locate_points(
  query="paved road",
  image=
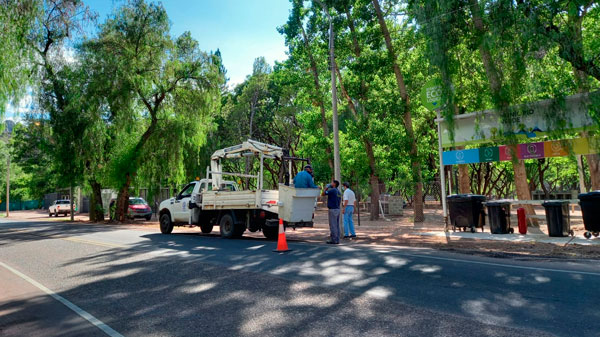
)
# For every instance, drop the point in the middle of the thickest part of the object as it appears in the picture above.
(61, 279)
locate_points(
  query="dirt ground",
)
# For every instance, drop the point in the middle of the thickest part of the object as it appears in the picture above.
(397, 231)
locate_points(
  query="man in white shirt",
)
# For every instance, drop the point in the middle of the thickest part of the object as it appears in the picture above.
(348, 211)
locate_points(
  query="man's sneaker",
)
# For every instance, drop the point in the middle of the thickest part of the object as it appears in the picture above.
(333, 243)
(353, 236)
(346, 236)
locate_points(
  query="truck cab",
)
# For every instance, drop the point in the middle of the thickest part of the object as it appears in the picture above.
(178, 208)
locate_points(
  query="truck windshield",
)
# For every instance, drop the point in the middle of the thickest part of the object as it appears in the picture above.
(187, 191)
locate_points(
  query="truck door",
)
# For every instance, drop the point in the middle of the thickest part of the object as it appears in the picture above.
(181, 205)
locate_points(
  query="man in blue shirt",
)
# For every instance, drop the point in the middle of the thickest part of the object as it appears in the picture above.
(333, 203)
(304, 178)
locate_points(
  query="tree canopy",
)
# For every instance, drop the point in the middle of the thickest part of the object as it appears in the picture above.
(132, 106)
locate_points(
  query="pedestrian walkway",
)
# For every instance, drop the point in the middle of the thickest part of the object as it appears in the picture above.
(402, 231)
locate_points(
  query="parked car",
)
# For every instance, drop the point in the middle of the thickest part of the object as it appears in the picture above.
(137, 208)
(59, 207)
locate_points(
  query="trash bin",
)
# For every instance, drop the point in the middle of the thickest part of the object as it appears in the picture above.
(557, 217)
(466, 211)
(590, 209)
(499, 216)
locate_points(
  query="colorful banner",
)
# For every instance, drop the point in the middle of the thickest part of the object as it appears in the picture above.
(554, 148)
(508, 152)
(525, 121)
(581, 146)
(557, 148)
(489, 154)
(531, 150)
(461, 157)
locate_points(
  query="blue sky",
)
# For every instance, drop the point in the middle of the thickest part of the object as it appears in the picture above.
(241, 29)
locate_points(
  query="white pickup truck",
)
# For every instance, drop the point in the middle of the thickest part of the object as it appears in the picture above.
(60, 207)
(213, 201)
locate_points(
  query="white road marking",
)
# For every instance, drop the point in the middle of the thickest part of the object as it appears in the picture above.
(98, 323)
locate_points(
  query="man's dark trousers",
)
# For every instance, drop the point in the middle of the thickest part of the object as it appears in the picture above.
(334, 224)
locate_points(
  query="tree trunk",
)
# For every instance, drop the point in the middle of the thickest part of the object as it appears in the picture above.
(522, 187)
(123, 200)
(541, 178)
(123, 196)
(373, 180)
(374, 211)
(96, 209)
(71, 202)
(464, 183)
(594, 166)
(416, 164)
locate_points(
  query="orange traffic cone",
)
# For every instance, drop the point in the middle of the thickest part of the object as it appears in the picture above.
(281, 241)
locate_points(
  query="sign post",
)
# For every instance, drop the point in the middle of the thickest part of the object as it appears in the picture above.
(442, 175)
(431, 96)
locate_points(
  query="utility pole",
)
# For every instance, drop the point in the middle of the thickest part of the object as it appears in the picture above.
(336, 130)
(8, 186)
(8, 132)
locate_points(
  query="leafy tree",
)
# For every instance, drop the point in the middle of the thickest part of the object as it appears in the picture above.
(18, 18)
(59, 89)
(32, 145)
(406, 112)
(162, 87)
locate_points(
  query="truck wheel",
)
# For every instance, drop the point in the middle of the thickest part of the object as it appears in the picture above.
(206, 228)
(166, 226)
(270, 232)
(227, 226)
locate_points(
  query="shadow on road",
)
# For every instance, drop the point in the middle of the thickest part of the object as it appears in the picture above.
(201, 284)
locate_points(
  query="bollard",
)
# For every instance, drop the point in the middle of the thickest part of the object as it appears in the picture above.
(522, 221)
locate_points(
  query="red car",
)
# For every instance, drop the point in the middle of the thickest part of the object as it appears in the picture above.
(138, 208)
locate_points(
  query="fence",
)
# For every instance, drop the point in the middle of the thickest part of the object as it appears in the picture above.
(21, 205)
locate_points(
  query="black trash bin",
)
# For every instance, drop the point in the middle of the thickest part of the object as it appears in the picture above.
(499, 217)
(590, 209)
(558, 218)
(466, 211)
